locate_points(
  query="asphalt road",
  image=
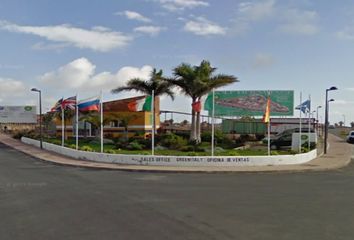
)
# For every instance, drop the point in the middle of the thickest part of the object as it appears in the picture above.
(39, 200)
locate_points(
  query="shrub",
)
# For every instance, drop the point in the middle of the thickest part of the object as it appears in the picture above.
(274, 152)
(73, 146)
(172, 141)
(218, 136)
(120, 143)
(190, 148)
(19, 134)
(134, 146)
(86, 148)
(110, 151)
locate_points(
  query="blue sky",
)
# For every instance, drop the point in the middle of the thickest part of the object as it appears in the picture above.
(68, 47)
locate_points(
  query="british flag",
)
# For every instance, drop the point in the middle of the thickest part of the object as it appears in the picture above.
(57, 106)
(69, 103)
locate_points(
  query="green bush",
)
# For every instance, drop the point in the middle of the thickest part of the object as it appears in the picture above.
(274, 152)
(19, 134)
(190, 148)
(120, 143)
(172, 141)
(134, 146)
(110, 151)
(73, 146)
(218, 136)
(86, 148)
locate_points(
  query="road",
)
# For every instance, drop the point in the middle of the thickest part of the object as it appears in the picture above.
(39, 200)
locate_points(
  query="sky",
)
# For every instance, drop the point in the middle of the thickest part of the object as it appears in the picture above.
(81, 47)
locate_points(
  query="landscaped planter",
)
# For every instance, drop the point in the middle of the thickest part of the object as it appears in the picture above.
(198, 161)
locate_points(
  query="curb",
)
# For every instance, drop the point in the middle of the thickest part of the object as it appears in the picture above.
(162, 169)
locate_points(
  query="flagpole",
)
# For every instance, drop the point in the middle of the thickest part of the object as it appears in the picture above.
(101, 110)
(62, 125)
(308, 137)
(153, 122)
(213, 125)
(77, 124)
(300, 123)
(269, 137)
(268, 100)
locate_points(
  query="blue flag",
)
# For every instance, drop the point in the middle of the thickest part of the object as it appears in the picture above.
(305, 106)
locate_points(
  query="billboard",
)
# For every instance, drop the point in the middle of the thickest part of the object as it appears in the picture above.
(18, 114)
(250, 103)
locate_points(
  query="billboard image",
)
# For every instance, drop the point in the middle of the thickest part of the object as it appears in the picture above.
(251, 103)
(18, 114)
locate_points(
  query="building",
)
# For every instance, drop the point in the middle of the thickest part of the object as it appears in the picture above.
(120, 117)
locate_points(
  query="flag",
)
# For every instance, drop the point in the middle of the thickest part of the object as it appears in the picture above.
(69, 103)
(89, 104)
(197, 106)
(57, 106)
(305, 106)
(266, 115)
(143, 104)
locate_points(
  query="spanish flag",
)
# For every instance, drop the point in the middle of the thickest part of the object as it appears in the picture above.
(266, 115)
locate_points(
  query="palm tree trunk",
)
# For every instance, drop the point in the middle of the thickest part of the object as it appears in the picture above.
(193, 136)
(198, 132)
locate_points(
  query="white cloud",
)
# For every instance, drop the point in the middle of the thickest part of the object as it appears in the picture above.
(346, 33)
(151, 30)
(134, 16)
(11, 88)
(262, 60)
(203, 27)
(250, 12)
(98, 38)
(178, 5)
(300, 22)
(79, 75)
(256, 11)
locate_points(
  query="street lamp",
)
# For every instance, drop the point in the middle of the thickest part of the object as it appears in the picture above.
(326, 117)
(40, 115)
(317, 113)
(318, 107)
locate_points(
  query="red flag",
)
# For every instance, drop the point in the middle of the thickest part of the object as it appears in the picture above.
(197, 106)
(266, 115)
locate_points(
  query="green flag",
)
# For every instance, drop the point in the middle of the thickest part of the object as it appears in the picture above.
(147, 104)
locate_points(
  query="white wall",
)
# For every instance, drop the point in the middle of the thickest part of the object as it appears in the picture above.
(177, 160)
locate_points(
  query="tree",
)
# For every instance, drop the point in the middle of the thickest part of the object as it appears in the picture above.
(124, 121)
(196, 82)
(68, 114)
(156, 83)
(340, 123)
(95, 119)
(352, 124)
(47, 120)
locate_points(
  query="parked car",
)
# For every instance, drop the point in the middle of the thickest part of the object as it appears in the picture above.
(281, 141)
(287, 132)
(350, 137)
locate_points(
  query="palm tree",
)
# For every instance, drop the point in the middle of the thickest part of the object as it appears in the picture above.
(196, 82)
(124, 121)
(68, 114)
(95, 120)
(157, 84)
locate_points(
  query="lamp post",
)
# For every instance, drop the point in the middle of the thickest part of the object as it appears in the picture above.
(318, 107)
(40, 115)
(326, 118)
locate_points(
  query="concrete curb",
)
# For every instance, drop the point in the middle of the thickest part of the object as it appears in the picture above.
(321, 163)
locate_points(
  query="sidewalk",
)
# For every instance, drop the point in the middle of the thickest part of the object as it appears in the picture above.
(338, 155)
